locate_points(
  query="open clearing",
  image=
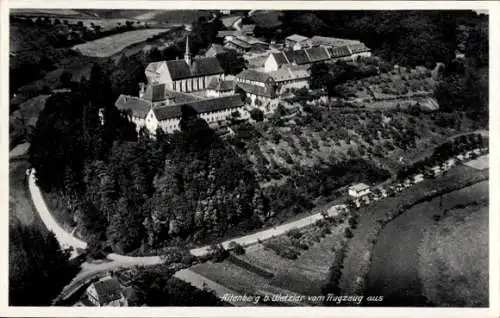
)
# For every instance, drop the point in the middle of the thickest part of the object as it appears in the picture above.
(453, 263)
(114, 44)
(260, 270)
(479, 163)
(406, 274)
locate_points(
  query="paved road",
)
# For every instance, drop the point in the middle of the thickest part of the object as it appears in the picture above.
(92, 270)
(275, 231)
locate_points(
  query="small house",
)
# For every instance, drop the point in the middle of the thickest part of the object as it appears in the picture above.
(418, 178)
(435, 171)
(106, 292)
(359, 190)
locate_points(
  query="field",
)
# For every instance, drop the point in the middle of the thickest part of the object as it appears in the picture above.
(46, 12)
(114, 44)
(453, 263)
(480, 163)
(359, 256)
(174, 16)
(261, 270)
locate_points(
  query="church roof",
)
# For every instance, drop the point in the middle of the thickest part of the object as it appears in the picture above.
(137, 106)
(202, 66)
(200, 106)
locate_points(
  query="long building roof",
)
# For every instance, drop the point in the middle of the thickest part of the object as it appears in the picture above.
(201, 106)
(267, 91)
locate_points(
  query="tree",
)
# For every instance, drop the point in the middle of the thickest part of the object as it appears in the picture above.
(257, 114)
(36, 262)
(232, 62)
(236, 248)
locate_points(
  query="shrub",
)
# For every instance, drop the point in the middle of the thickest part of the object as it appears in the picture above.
(325, 231)
(217, 253)
(257, 114)
(348, 233)
(294, 233)
(289, 254)
(236, 248)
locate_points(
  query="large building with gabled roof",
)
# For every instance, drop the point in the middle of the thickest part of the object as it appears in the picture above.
(185, 75)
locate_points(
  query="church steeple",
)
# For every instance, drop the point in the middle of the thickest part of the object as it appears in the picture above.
(187, 54)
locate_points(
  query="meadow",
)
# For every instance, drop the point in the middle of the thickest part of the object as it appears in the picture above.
(453, 253)
(114, 44)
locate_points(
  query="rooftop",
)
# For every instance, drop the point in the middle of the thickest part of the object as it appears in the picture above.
(359, 187)
(296, 38)
(139, 107)
(108, 290)
(329, 41)
(267, 91)
(201, 66)
(200, 106)
(253, 75)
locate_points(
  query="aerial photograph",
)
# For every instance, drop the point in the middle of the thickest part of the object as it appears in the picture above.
(233, 158)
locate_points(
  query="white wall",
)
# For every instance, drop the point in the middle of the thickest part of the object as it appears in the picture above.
(270, 65)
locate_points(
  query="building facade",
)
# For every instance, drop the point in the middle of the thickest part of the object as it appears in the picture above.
(185, 75)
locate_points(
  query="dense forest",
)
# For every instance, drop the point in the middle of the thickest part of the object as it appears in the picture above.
(134, 194)
(38, 268)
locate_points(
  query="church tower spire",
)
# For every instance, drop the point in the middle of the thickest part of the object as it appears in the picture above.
(187, 54)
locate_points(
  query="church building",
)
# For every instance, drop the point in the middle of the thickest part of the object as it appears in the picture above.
(185, 75)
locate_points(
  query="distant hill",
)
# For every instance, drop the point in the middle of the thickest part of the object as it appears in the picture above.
(173, 16)
(68, 13)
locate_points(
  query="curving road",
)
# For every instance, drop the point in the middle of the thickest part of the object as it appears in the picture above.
(65, 239)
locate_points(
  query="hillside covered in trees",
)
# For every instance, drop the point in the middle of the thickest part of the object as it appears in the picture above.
(136, 194)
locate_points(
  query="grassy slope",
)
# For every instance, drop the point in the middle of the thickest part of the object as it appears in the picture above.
(454, 253)
(360, 247)
(110, 45)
